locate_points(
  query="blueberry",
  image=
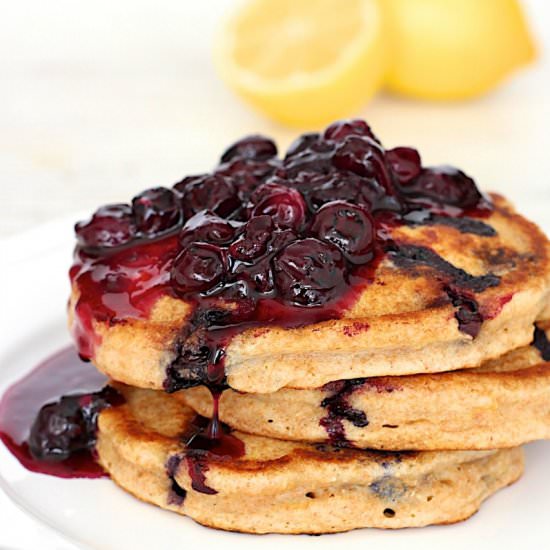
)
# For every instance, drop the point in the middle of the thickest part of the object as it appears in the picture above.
(253, 242)
(217, 193)
(309, 272)
(361, 155)
(208, 228)
(285, 205)
(302, 143)
(156, 210)
(340, 130)
(254, 147)
(197, 268)
(348, 226)
(69, 425)
(308, 155)
(111, 225)
(404, 163)
(445, 185)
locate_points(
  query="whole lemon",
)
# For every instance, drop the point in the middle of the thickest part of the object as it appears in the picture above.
(454, 49)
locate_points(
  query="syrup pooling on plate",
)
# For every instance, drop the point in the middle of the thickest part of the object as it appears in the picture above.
(48, 418)
(48, 421)
(262, 240)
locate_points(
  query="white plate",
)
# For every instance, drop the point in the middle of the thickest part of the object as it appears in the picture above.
(96, 514)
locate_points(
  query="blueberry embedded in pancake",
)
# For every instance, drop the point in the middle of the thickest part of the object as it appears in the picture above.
(252, 276)
(542, 343)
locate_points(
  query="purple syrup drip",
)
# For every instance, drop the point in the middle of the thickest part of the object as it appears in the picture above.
(206, 440)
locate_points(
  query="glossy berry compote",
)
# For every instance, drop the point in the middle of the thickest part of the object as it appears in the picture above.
(48, 418)
(266, 240)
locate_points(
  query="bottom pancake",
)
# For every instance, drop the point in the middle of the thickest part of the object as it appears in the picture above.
(289, 487)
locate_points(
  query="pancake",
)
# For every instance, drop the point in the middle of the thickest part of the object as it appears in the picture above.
(289, 487)
(406, 321)
(340, 260)
(503, 403)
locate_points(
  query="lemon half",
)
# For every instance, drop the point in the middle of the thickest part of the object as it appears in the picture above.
(307, 62)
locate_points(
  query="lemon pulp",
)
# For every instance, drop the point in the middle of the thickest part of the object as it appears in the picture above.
(304, 63)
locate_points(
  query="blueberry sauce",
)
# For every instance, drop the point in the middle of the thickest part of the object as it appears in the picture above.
(542, 343)
(200, 348)
(48, 418)
(339, 409)
(119, 286)
(204, 441)
(263, 240)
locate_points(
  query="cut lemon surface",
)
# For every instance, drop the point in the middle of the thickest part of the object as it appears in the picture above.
(454, 49)
(307, 62)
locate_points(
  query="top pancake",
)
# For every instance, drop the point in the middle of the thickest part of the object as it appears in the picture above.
(406, 321)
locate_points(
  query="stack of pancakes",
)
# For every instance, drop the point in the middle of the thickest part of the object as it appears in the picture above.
(408, 409)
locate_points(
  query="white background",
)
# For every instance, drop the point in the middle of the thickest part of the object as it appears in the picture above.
(101, 99)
